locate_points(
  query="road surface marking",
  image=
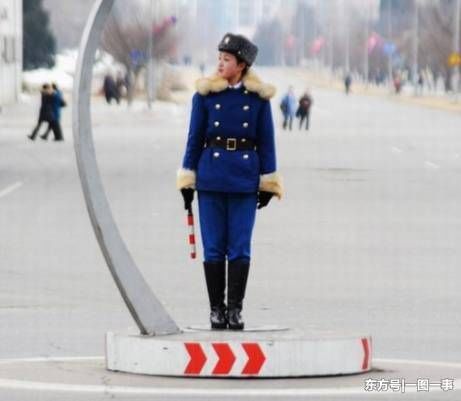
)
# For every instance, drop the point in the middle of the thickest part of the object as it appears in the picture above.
(223, 392)
(11, 189)
(432, 165)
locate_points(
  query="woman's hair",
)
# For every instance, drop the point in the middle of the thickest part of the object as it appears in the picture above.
(247, 67)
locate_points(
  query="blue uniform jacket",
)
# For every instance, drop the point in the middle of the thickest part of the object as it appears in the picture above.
(58, 103)
(289, 105)
(218, 110)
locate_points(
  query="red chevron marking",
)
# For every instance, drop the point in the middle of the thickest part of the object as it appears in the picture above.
(197, 358)
(256, 359)
(366, 352)
(226, 359)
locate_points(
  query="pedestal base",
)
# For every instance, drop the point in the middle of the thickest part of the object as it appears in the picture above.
(275, 353)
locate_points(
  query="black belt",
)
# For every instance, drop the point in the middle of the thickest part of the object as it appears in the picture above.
(231, 143)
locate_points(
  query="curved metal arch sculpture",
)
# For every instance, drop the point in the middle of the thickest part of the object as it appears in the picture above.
(145, 308)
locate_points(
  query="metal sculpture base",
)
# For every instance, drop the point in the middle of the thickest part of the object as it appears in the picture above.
(225, 353)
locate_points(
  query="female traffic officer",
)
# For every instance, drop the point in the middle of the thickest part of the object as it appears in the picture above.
(230, 160)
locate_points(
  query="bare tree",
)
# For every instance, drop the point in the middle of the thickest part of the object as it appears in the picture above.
(436, 36)
(126, 36)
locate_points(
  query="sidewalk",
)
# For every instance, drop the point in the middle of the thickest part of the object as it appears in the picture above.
(325, 81)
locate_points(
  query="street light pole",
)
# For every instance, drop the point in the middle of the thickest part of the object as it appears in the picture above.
(150, 67)
(347, 46)
(330, 43)
(315, 28)
(302, 42)
(389, 40)
(456, 49)
(415, 45)
(324, 47)
(367, 34)
(1, 65)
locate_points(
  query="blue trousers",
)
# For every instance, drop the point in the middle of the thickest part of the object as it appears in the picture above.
(226, 224)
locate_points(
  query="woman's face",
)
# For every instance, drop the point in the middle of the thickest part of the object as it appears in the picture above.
(228, 67)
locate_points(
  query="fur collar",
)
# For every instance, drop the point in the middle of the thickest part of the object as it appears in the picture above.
(251, 82)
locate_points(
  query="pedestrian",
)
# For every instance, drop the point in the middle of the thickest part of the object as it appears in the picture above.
(110, 89)
(230, 160)
(304, 109)
(121, 85)
(288, 107)
(46, 110)
(420, 83)
(55, 124)
(397, 83)
(347, 83)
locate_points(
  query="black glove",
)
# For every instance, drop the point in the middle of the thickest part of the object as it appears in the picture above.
(264, 198)
(188, 195)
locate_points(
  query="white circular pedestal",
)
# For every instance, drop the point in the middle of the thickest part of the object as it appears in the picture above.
(277, 353)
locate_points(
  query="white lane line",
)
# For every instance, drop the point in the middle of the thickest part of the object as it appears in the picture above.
(222, 392)
(432, 165)
(11, 188)
(395, 149)
(51, 359)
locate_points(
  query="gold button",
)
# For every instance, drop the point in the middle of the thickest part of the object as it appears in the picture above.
(216, 154)
(246, 157)
(246, 92)
(216, 123)
(218, 138)
(245, 125)
(244, 140)
(217, 106)
(246, 107)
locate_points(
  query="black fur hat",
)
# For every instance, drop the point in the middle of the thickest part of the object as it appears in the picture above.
(239, 46)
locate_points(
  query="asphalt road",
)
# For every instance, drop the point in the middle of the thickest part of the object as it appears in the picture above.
(366, 239)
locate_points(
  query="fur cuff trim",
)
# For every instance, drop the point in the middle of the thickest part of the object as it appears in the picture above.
(185, 178)
(271, 183)
(250, 81)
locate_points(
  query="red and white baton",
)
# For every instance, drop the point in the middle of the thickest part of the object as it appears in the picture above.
(190, 223)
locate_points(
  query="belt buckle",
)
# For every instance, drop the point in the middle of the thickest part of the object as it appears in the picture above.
(231, 144)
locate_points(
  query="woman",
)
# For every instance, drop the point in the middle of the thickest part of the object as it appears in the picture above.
(304, 109)
(230, 160)
(46, 110)
(288, 106)
(55, 125)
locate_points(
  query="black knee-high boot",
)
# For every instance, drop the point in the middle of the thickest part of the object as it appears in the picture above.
(237, 282)
(215, 275)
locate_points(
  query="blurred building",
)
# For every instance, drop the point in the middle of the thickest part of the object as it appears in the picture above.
(239, 16)
(211, 19)
(10, 50)
(252, 12)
